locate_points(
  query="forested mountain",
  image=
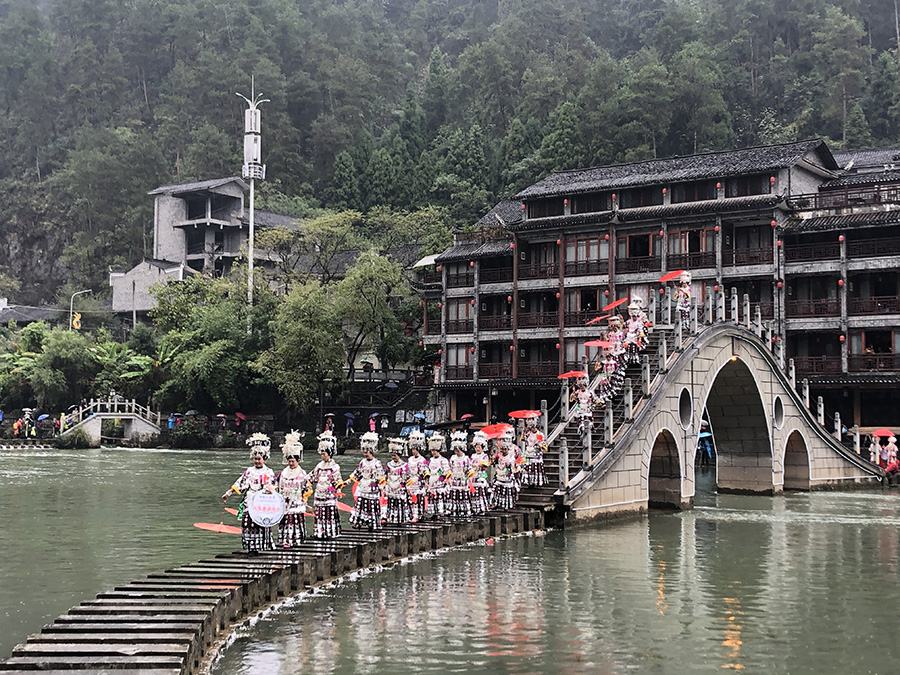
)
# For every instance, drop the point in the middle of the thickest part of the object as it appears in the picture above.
(399, 103)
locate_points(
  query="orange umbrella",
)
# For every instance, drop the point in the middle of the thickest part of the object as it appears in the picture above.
(615, 304)
(524, 414)
(218, 527)
(671, 276)
(572, 373)
(883, 433)
(496, 430)
(606, 344)
(597, 320)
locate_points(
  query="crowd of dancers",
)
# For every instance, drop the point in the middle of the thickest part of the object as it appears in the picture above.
(419, 482)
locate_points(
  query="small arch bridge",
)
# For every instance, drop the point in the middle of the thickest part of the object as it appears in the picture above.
(141, 425)
(766, 437)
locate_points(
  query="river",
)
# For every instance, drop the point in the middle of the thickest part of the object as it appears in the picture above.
(799, 583)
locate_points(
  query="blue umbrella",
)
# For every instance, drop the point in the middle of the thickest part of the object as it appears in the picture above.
(419, 416)
(350, 415)
(43, 417)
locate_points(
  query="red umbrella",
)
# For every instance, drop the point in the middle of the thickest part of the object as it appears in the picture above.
(467, 416)
(240, 416)
(883, 433)
(671, 276)
(496, 430)
(524, 414)
(606, 344)
(572, 373)
(597, 320)
(218, 527)
(615, 304)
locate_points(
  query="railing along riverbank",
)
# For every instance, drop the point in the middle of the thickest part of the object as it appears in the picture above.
(173, 622)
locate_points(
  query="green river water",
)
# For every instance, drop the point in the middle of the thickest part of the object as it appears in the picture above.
(799, 583)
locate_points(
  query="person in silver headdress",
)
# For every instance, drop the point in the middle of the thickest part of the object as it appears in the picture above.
(397, 511)
(326, 481)
(369, 474)
(293, 484)
(254, 538)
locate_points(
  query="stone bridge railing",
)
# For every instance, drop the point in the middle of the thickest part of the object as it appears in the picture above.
(113, 407)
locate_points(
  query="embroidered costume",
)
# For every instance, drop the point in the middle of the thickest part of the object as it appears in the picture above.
(293, 484)
(397, 511)
(438, 473)
(480, 467)
(505, 488)
(369, 474)
(254, 538)
(326, 481)
(682, 297)
(533, 470)
(417, 483)
(635, 331)
(459, 502)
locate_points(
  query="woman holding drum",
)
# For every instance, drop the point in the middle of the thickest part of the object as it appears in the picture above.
(254, 537)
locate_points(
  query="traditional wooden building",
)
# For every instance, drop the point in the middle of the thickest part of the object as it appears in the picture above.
(814, 246)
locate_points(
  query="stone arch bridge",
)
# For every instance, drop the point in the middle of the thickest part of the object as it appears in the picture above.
(767, 438)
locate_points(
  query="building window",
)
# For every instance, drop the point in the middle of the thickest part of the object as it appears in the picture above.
(647, 196)
(592, 203)
(747, 185)
(694, 192)
(545, 208)
(458, 310)
(638, 246)
(457, 355)
(587, 250)
(196, 208)
(692, 241)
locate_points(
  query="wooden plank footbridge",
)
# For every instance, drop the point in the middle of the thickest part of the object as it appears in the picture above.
(171, 623)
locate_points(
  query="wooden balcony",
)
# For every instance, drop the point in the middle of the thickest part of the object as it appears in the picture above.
(830, 250)
(460, 372)
(883, 304)
(461, 280)
(859, 363)
(795, 309)
(747, 256)
(691, 261)
(582, 268)
(433, 327)
(872, 248)
(538, 320)
(500, 275)
(636, 265)
(460, 326)
(495, 322)
(539, 369)
(836, 199)
(433, 277)
(539, 271)
(578, 318)
(494, 370)
(817, 365)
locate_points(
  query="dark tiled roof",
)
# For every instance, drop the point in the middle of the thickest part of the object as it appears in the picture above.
(198, 186)
(25, 314)
(162, 264)
(676, 169)
(868, 158)
(854, 220)
(599, 218)
(271, 219)
(706, 206)
(509, 383)
(490, 249)
(857, 179)
(887, 379)
(509, 211)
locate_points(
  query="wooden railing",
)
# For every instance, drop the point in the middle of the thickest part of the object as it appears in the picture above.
(460, 326)
(817, 365)
(117, 406)
(835, 199)
(644, 264)
(691, 261)
(766, 309)
(829, 250)
(539, 271)
(539, 369)
(747, 256)
(461, 280)
(460, 372)
(580, 268)
(869, 362)
(497, 275)
(432, 277)
(495, 322)
(538, 320)
(812, 308)
(494, 370)
(578, 318)
(433, 327)
(871, 248)
(881, 304)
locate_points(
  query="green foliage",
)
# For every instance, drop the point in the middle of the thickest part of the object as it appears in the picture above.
(190, 434)
(77, 439)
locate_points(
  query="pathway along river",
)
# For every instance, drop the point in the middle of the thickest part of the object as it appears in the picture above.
(801, 583)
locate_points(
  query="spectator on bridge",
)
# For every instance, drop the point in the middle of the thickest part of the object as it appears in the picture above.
(326, 480)
(254, 537)
(293, 484)
(372, 424)
(480, 462)
(369, 476)
(417, 481)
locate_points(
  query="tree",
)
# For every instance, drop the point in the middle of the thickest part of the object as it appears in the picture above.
(64, 370)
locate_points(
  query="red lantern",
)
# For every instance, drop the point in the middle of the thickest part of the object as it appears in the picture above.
(557, 345)
(421, 304)
(509, 298)
(716, 288)
(440, 351)
(661, 233)
(780, 285)
(606, 236)
(662, 290)
(472, 302)
(512, 244)
(841, 238)
(565, 202)
(471, 263)
(606, 293)
(557, 296)
(523, 206)
(440, 304)
(841, 282)
(717, 228)
(421, 343)
(718, 186)
(558, 242)
(472, 349)
(774, 224)
(772, 179)
(842, 338)
(614, 196)
(778, 243)
(512, 348)
(440, 268)
(665, 191)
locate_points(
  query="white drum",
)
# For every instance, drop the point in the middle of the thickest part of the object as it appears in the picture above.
(266, 508)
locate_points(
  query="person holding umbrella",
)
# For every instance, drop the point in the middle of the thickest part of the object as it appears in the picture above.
(372, 422)
(329, 423)
(254, 538)
(348, 429)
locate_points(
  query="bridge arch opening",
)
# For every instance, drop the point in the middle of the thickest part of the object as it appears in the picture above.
(741, 429)
(664, 475)
(796, 463)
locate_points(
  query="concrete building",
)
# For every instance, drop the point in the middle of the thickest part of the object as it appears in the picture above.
(811, 239)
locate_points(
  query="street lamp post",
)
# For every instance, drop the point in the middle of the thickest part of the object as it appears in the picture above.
(253, 167)
(72, 304)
